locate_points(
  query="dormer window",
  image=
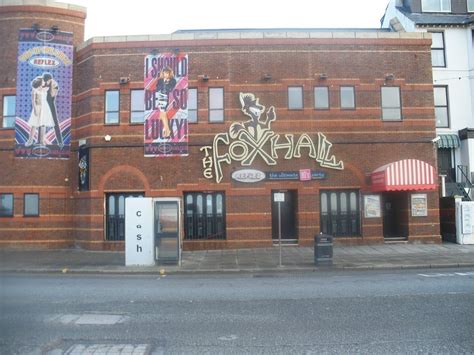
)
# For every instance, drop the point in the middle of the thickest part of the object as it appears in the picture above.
(436, 5)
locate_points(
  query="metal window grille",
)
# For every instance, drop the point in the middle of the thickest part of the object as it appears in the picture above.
(204, 216)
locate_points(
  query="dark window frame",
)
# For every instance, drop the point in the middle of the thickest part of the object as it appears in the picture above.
(347, 108)
(132, 111)
(439, 49)
(348, 225)
(197, 105)
(115, 224)
(329, 98)
(390, 107)
(6, 116)
(446, 92)
(25, 214)
(204, 225)
(106, 112)
(302, 97)
(216, 109)
(4, 214)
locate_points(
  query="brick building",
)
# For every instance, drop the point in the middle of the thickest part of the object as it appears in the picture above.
(348, 123)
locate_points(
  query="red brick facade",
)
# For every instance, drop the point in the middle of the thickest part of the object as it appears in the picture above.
(359, 136)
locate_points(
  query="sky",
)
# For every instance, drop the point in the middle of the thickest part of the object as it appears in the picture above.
(144, 17)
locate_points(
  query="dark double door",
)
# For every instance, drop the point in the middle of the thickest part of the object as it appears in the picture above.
(287, 215)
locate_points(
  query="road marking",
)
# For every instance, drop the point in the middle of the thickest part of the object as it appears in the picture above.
(448, 274)
(228, 337)
(115, 349)
(89, 319)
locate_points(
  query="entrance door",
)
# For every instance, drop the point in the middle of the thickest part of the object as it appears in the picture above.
(395, 216)
(445, 164)
(167, 232)
(288, 217)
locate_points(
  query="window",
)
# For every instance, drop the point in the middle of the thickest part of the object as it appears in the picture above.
(340, 213)
(391, 106)
(112, 107)
(115, 215)
(31, 205)
(216, 104)
(205, 216)
(192, 105)
(438, 58)
(9, 102)
(347, 97)
(436, 5)
(441, 106)
(6, 205)
(321, 97)
(470, 5)
(295, 98)
(137, 104)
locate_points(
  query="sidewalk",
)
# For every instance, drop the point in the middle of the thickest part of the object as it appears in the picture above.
(385, 256)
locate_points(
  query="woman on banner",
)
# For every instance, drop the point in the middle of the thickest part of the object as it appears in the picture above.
(164, 86)
(41, 116)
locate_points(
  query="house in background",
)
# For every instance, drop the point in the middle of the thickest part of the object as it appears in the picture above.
(451, 24)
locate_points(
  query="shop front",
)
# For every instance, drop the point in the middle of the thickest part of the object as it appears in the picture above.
(402, 185)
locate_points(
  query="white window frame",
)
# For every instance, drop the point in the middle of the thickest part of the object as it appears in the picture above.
(470, 5)
(442, 3)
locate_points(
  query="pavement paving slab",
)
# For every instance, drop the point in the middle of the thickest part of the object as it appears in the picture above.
(383, 256)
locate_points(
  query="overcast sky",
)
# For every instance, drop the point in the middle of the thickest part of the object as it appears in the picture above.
(136, 17)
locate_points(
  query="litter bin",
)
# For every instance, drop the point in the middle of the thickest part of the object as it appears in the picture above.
(323, 249)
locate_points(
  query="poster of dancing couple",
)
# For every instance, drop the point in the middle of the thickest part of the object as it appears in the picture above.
(44, 92)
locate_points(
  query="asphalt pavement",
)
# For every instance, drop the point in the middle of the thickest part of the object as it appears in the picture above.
(383, 256)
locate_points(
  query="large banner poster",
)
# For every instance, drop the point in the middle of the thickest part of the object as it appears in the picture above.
(44, 92)
(166, 105)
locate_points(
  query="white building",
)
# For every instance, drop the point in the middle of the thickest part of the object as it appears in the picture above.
(451, 23)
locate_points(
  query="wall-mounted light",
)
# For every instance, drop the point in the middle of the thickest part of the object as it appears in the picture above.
(55, 28)
(108, 138)
(267, 77)
(203, 77)
(389, 77)
(323, 76)
(35, 27)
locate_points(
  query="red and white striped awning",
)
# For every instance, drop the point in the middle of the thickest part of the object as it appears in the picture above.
(404, 175)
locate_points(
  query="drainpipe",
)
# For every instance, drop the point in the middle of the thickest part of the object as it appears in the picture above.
(443, 185)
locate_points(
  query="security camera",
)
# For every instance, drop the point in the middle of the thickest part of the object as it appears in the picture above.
(434, 140)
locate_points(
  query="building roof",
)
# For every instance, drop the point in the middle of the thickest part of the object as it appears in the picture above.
(236, 34)
(429, 19)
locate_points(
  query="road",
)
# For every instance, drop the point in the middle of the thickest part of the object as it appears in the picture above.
(422, 311)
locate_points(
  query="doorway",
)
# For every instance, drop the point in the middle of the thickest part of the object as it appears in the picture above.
(445, 164)
(167, 232)
(395, 216)
(288, 216)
